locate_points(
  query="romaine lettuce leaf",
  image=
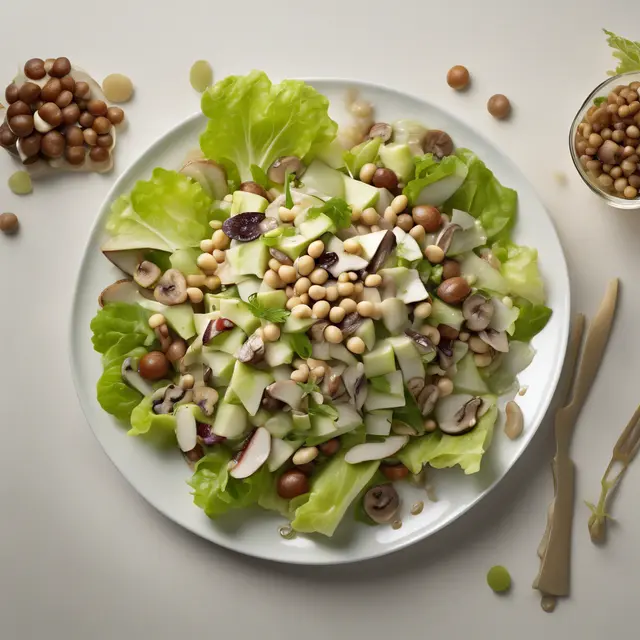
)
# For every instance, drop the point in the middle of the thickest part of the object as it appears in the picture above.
(441, 450)
(166, 213)
(216, 492)
(533, 318)
(253, 122)
(483, 196)
(627, 51)
(332, 491)
(520, 270)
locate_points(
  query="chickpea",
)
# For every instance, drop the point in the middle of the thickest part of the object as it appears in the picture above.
(321, 309)
(195, 295)
(628, 151)
(301, 311)
(482, 359)
(213, 283)
(458, 77)
(302, 286)
(305, 265)
(434, 254)
(333, 334)
(623, 111)
(274, 264)
(272, 279)
(617, 136)
(373, 280)
(352, 245)
(606, 134)
(317, 292)
(390, 216)
(422, 310)
(337, 314)
(287, 274)
(293, 302)
(367, 171)
(615, 173)
(358, 288)
(220, 239)
(316, 249)
(206, 246)
(219, 255)
(399, 203)
(405, 222)
(319, 276)
(271, 332)
(595, 166)
(478, 345)
(365, 308)
(633, 132)
(289, 291)
(499, 106)
(353, 276)
(595, 140)
(207, 263)
(628, 167)
(445, 386)
(332, 293)
(630, 192)
(418, 233)
(370, 216)
(301, 374)
(634, 181)
(305, 298)
(605, 181)
(356, 345)
(345, 289)
(343, 277)
(348, 305)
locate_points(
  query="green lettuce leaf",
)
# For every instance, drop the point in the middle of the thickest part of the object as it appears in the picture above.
(336, 209)
(332, 492)
(533, 318)
(482, 196)
(440, 450)
(118, 319)
(216, 492)
(166, 213)
(627, 52)
(501, 374)
(520, 270)
(253, 122)
(158, 428)
(435, 181)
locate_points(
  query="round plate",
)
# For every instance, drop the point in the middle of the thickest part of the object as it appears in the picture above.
(160, 477)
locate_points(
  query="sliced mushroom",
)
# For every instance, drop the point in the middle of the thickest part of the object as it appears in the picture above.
(172, 288)
(445, 353)
(356, 384)
(126, 260)
(120, 291)
(164, 399)
(282, 258)
(206, 398)
(253, 455)
(287, 164)
(381, 503)
(415, 386)
(287, 391)
(375, 450)
(216, 327)
(403, 429)
(130, 375)
(437, 142)
(317, 330)
(477, 312)
(427, 399)
(446, 236)
(350, 324)
(383, 251)
(147, 274)
(496, 339)
(186, 429)
(381, 130)
(252, 351)
(422, 342)
(458, 414)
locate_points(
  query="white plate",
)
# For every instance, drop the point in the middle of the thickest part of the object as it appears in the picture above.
(161, 478)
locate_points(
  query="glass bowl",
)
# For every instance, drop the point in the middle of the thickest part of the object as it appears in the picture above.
(602, 91)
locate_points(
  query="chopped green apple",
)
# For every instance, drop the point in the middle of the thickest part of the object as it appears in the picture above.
(221, 365)
(399, 159)
(378, 423)
(408, 357)
(279, 425)
(244, 201)
(248, 287)
(379, 362)
(324, 179)
(277, 353)
(276, 299)
(231, 420)
(227, 341)
(179, 316)
(249, 383)
(403, 283)
(249, 258)
(238, 312)
(359, 195)
(395, 315)
(386, 399)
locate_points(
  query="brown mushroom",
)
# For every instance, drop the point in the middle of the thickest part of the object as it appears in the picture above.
(147, 274)
(287, 164)
(427, 399)
(252, 351)
(446, 236)
(381, 503)
(438, 142)
(381, 130)
(496, 339)
(458, 414)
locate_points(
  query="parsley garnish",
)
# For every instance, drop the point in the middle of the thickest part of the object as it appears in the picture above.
(327, 410)
(301, 344)
(270, 315)
(309, 387)
(336, 209)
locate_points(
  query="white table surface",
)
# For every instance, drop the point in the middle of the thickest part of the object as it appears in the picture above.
(83, 557)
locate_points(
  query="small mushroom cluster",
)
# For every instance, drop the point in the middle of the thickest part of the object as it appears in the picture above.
(608, 142)
(56, 118)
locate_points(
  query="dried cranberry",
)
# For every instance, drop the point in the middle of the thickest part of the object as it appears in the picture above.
(244, 227)
(208, 437)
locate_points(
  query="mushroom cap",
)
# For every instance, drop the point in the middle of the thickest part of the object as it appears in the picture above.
(147, 274)
(496, 339)
(171, 288)
(457, 414)
(477, 312)
(252, 351)
(446, 236)
(287, 164)
(381, 503)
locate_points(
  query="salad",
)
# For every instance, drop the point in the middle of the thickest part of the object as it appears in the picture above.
(309, 323)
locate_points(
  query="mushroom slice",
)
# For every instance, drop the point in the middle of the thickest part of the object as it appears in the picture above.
(164, 399)
(381, 130)
(415, 386)
(186, 429)
(403, 429)
(437, 142)
(477, 312)
(126, 259)
(282, 258)
(375, 450)
(458, 414)
(120, 291)
(253, 455)
(287, 164)
(381, 503)
(147, 274)
(317, 330)
(356, 384)
(446, 236)
(216, 327)
(287, 391)
(383, 251)
(350, 324)
(445, 353)
(130, 375)
(206, 398)
(427, 399)
(171, 289)
(252, 351)
(423, 343)
(496, 339)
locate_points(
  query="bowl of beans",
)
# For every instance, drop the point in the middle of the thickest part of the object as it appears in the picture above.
(605, 141)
